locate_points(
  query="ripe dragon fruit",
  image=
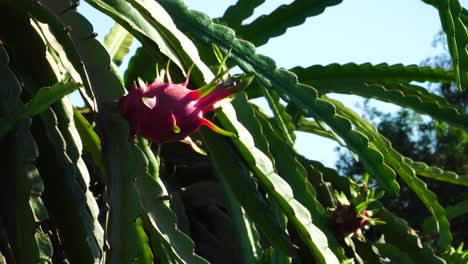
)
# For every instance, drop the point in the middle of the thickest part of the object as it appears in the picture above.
(168, 112)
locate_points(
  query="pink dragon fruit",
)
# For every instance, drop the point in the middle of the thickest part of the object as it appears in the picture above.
(167, 112)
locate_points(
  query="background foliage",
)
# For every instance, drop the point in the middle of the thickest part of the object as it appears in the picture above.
(75, 188)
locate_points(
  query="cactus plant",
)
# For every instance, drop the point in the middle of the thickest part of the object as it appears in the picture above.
(108, 182)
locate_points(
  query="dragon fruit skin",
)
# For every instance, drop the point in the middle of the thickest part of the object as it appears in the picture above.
(166, 112)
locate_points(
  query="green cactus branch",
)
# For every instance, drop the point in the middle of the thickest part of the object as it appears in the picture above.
(453, 20)
(436, 173)
(405, 95)
(21, 204)
(243, 187)
(367, 72)
(286, 16)
(122, 167)
(238, 12)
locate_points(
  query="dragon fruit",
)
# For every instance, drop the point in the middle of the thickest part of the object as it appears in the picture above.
(167, 112)
(346, 221)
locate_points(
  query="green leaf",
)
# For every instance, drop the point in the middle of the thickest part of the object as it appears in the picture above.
(201, 28)
(275, 24)
(46, 96)
(451, 13)
(233, 170)
(238, 12)
(369, 73)
(436, 173)
(118, 42)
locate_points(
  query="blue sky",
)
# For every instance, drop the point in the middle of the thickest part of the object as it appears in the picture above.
(375, 31)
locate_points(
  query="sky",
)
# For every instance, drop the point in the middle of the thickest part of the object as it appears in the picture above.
(360, 31)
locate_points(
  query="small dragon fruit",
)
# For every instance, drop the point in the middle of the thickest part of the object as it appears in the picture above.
(167, 112)
(346, 221)
(350, 220)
